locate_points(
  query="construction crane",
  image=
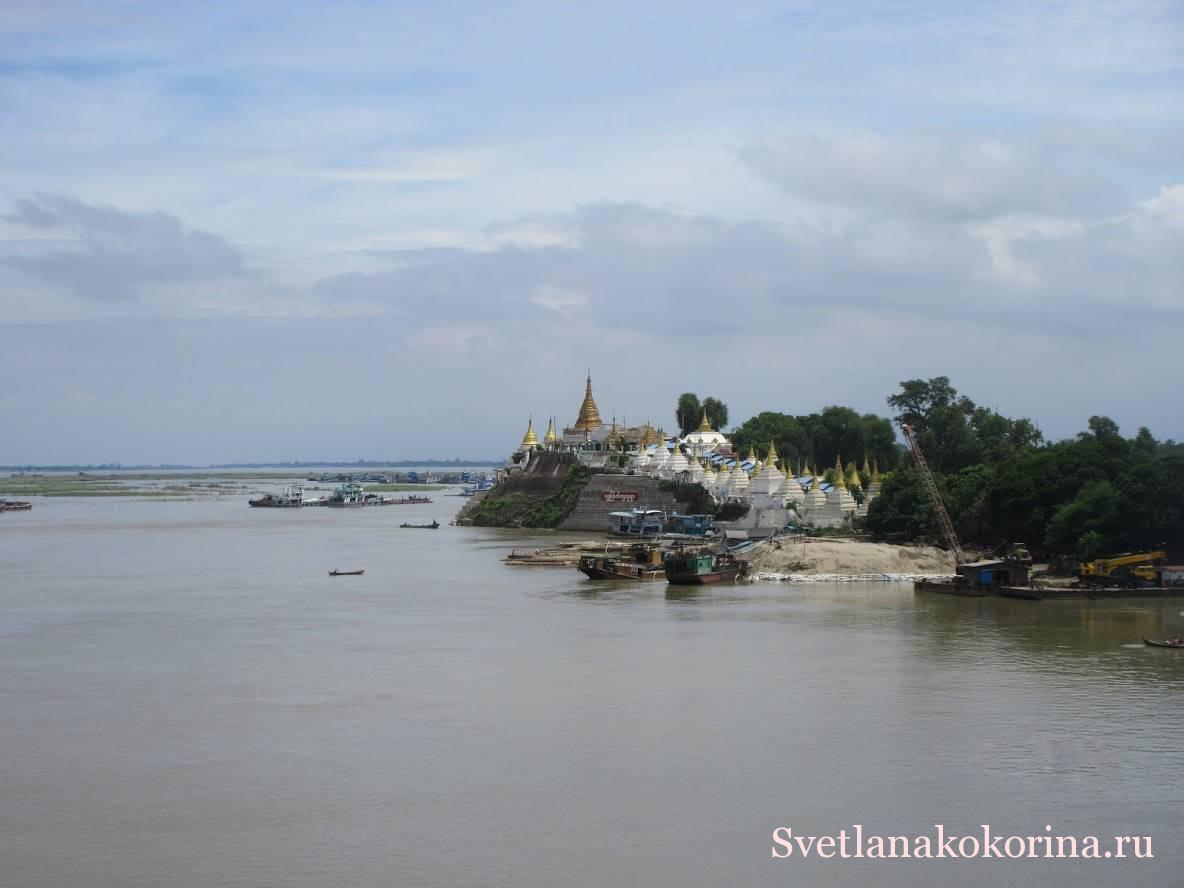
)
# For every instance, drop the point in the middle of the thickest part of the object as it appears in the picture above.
(1123, 569)
(939, 509)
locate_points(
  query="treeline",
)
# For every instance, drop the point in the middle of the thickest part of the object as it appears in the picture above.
(1096, 494)
(819, 439)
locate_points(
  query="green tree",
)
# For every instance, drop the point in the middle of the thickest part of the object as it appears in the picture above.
(688, 412)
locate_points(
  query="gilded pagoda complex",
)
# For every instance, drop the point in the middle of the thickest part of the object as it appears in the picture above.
(771, 493)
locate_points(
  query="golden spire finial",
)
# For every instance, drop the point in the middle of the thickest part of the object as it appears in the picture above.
(853, 479)
(771, 457)
(530, 439)
(839, 480)
(875, 471)
(550, 437)
(589, 416)
(704, 425)
(866, 469)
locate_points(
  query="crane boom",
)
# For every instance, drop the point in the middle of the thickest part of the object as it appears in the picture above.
(939, 509)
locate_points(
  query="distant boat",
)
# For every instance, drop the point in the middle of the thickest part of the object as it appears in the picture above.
(291, 498)
(431, 526)
(351, 494)
(15, 506)
(346, 573)
(1170, 643)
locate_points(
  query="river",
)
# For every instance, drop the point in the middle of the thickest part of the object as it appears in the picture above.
(189, 699)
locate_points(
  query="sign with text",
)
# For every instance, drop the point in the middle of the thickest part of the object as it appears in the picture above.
(620, 496)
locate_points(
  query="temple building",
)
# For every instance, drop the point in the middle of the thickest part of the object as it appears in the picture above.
(705, 439)
(772, 492)
(588, 420)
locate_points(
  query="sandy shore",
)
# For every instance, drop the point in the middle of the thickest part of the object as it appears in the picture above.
(787, 558)
(839, 557)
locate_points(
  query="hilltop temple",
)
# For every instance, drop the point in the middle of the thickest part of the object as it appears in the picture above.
(770, 493)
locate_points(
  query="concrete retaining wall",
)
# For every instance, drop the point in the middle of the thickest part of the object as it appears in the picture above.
(616, 493)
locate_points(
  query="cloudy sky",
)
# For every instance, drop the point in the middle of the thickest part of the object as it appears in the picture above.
(270, 231)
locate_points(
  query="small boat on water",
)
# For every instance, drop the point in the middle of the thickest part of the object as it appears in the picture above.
(15, 506)
(346, 573)
(431, 526)
(696, 567)
(639, 563)
(1168, 643)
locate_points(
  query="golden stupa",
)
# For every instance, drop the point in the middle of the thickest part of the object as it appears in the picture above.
(589, 418)
(530, 439)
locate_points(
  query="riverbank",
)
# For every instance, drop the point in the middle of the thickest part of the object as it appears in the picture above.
(811, 556)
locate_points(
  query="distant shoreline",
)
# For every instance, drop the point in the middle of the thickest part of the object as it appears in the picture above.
(315, 464)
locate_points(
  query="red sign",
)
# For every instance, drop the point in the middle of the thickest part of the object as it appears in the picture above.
(621, 496)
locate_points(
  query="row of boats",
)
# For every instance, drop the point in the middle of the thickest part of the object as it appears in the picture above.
(678, 565)
(349, 494)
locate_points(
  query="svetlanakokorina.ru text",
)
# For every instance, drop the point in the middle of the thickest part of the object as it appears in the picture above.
(942, 844)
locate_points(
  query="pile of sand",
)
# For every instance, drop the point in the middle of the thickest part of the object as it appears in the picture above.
(835, 556)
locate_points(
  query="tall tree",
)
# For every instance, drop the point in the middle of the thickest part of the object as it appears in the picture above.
(688, 412)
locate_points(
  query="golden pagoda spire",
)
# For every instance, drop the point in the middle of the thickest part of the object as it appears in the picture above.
(866, 468)
(589, 417)
(839, 480)
(704, 425)
(853, 479)
(550, 437)
(530, 439)
(875, 471)
(771, 457)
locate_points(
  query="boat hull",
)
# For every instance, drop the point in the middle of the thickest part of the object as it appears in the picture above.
(719, 576)
(964, 590)
(610, 569)
(1162, 644)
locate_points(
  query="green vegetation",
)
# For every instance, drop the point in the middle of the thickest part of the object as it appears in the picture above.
(498, 509)
(820, 438)
(94, 485)
(1096, 494)
(689, 412)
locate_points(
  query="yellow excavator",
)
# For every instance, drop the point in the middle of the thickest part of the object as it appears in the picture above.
(1139, 569)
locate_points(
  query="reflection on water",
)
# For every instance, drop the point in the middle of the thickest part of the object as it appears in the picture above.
(189, 699)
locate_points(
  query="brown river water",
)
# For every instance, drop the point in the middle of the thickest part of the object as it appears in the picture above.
(187, 699)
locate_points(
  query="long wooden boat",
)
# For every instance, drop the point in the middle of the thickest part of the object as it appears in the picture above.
(698, 567)
(1179, 645)
(15, 506)
(639, 563)
(346, 573)
(431, 526)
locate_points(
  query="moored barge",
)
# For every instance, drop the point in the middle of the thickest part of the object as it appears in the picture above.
(698, 567)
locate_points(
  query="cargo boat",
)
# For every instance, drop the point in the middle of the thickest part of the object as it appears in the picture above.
(639, 563)
(351, 494)
(697, 567)
(291, 498)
